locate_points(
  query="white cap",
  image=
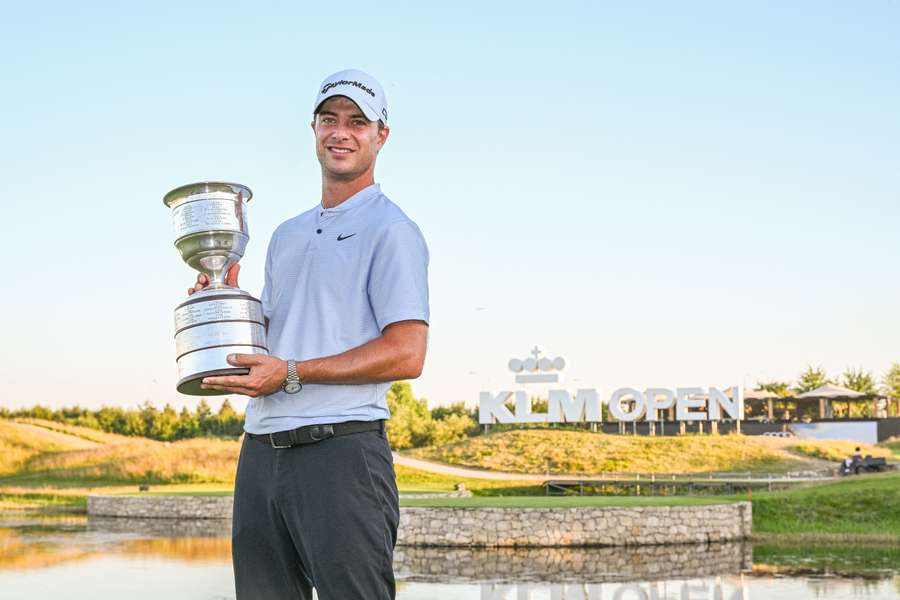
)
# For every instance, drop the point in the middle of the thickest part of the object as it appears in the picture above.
(360, 87)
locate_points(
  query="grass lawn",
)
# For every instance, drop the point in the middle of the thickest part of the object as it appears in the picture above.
(560, 501)
(867, 505)
(42, 502)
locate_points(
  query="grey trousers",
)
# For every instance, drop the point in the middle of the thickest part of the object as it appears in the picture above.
(320, 515)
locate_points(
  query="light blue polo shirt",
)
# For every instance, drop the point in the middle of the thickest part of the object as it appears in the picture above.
(335, 278)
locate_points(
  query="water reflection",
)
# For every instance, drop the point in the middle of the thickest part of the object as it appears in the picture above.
(581, 565)
(172, 528)
(104, 559)
(660, 590)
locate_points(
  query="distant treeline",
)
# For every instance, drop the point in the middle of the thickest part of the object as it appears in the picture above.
(146, 420)
(412, 424)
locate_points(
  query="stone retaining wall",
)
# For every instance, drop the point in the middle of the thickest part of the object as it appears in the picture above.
(584, 526)
(495, 527)
(578, 565)
(161, 507)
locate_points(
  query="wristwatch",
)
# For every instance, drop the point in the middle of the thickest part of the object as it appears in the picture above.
(292, 384)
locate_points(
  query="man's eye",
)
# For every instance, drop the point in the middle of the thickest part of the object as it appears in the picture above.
(327, 120)
(359, 123)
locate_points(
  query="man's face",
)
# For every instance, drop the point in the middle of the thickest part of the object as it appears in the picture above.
(347, 143)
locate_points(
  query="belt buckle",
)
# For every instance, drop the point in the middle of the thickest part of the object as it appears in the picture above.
(327, 430)
(274, 445)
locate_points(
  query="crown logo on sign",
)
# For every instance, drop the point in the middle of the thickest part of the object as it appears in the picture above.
(538, 369)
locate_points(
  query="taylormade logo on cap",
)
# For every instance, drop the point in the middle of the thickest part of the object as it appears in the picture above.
(360, 87)
(328, 86)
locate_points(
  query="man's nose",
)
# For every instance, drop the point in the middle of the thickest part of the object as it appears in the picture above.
(339, 133)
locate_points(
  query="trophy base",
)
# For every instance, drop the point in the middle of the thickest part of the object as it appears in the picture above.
(191, 385)
(209, 326)
(210, 362)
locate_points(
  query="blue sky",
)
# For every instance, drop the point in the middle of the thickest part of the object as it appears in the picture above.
(666, 194)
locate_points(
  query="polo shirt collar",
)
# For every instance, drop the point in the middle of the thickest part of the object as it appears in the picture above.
(357, 199)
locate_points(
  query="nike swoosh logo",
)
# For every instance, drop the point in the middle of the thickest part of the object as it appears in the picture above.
(342, 237)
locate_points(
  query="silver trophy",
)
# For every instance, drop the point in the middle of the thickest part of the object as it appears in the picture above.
(210, 220)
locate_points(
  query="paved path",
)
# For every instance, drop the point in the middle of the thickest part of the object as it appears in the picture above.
(432, 467)
(63, 440)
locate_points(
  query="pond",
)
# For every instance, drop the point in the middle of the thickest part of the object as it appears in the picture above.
(103, 559)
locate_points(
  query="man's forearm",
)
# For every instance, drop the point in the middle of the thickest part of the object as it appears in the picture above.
(398, 354)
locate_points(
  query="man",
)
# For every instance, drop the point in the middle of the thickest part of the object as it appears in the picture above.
(346, 308)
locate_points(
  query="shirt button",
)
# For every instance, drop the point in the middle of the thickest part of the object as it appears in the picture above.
(318, 231)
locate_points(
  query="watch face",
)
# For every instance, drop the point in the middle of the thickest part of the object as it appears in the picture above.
(292, 387)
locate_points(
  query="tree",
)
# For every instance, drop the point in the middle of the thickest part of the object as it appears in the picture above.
(188, 425)
(810, 379)
(228, 422)
(453, 428)
(859, 381)
(132, 423)
(410, 424)
(203, 414)
(891, 381)
(148, 415)
(457, 408)
(111, 419)
(164, 425)
(782, 389)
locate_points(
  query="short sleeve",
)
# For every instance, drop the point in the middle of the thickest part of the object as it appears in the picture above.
(398, 279)
(266, 296)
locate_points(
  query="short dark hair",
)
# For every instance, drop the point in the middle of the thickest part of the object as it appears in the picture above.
(381, 124)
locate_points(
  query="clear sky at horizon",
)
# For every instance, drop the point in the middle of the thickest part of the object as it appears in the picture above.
(666, 194)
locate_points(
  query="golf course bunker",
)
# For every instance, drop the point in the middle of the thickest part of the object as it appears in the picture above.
(494, 527)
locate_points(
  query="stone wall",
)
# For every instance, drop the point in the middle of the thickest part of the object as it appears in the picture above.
(161, 507)
(584, 526)
(495, 527)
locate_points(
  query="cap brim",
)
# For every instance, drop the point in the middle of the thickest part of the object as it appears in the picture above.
(358, 99)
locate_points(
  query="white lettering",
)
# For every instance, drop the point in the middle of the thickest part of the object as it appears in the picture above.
(734, 406)
(686, 399)
(655, 404)
(626, 404)
(621, 413)
(523, 410)
(585, 406)
(492, 407)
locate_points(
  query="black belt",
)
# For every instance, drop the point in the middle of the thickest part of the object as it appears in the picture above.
(310, 434)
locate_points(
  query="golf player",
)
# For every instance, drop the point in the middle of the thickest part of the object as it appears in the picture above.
(346, 307)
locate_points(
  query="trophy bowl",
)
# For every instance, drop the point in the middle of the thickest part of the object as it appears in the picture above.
(210, 222)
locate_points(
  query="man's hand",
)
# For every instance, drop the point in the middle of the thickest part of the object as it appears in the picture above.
(266, 375)
(231, 279)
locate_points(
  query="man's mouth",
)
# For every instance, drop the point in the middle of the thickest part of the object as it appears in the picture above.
(339, 150)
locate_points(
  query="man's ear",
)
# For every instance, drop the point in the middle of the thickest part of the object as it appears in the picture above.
(312, 124)
(383, 136)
